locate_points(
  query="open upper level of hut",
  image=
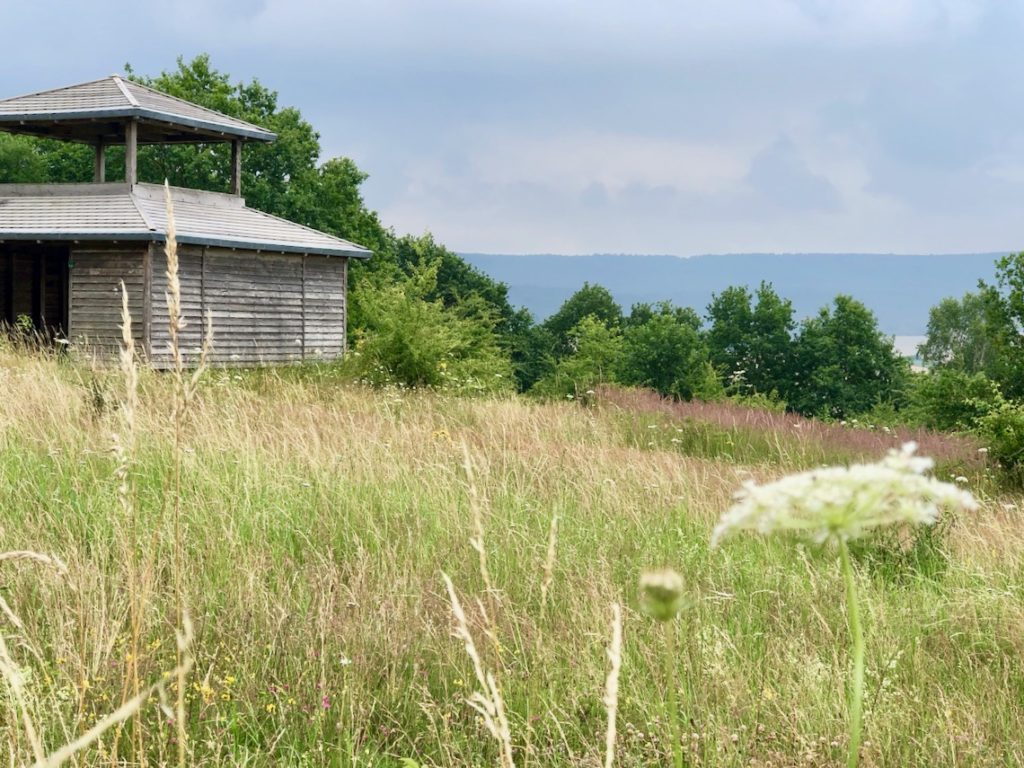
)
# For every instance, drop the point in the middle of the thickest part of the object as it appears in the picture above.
(276, 289)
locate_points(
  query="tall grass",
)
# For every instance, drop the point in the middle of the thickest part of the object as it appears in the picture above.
(319, 518)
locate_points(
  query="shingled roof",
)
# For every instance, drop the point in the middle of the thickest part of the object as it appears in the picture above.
(137, 212)
(96, 111)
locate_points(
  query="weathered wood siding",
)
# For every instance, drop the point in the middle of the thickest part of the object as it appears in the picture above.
(325, 309)
(190, 277)
(265, 307)
(96, 273)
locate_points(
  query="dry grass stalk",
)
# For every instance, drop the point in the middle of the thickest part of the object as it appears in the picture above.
(549, 563)
(184, 389)
(611, 690)
(477, 541)
(36, 557)
(488, 701)
(476, 509)
(124, 452)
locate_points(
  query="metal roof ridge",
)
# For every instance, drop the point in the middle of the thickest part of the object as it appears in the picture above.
(135, 204)
(124, 90)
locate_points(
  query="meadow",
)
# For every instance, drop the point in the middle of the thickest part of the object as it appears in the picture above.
(318, 516)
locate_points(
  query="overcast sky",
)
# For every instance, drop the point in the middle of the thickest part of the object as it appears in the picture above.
(647, 126)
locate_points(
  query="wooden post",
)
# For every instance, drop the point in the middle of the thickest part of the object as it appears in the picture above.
(131, 152)
(99, 166)
(236, 167)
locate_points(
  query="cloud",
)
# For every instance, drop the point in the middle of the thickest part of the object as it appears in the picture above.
(780, 174)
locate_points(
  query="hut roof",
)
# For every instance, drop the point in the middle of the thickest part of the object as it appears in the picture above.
(97, 111)
(137, 212)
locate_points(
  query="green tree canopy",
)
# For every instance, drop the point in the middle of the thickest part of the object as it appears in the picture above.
(844, 364)
(665, 351)
(412, 339)
(959, 335)
(751, 342)
(730, 322)
(595, 357)
(1004, 322)
(589, 301)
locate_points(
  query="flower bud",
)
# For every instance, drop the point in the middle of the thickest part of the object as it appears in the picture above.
(662, 595)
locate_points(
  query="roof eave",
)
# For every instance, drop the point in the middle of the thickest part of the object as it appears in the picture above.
(354, 252)
(214, 130)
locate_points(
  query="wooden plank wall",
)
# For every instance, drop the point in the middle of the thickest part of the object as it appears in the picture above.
(324, 301)
(95, 296)
(190, 277)
(266, 307)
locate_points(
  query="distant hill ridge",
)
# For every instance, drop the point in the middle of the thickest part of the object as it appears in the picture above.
(899, 288)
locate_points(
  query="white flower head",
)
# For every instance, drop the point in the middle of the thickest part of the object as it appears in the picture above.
(845, 502)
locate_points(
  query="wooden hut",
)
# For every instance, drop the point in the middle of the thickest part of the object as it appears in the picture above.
(275, 289)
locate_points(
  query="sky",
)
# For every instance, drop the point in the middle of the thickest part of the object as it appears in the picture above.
(647, 126)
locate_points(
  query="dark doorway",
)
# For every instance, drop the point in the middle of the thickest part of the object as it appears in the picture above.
(34, 288)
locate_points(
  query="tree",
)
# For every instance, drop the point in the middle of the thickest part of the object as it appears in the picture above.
(844, 364)
(1004, 320)
(770, 361)
(595, 357)
(589, 301)
(751, 344)
(665, 352)
(959, 335)
(20, 163)
(730, 319)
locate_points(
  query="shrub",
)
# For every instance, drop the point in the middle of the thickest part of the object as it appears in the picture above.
(949, 400)
(1003, 432)
(595, 358)
(416, 342)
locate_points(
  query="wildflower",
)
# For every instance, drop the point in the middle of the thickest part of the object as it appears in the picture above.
(841, 503)
(270, 708)
(662, 594)
(663, 597)
(845, 502)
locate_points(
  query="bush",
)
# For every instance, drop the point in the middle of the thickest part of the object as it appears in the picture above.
(1003, 433)
(412, 341)
(595, 358)
(950, 400)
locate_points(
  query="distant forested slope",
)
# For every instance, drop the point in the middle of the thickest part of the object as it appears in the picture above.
(899, 288)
